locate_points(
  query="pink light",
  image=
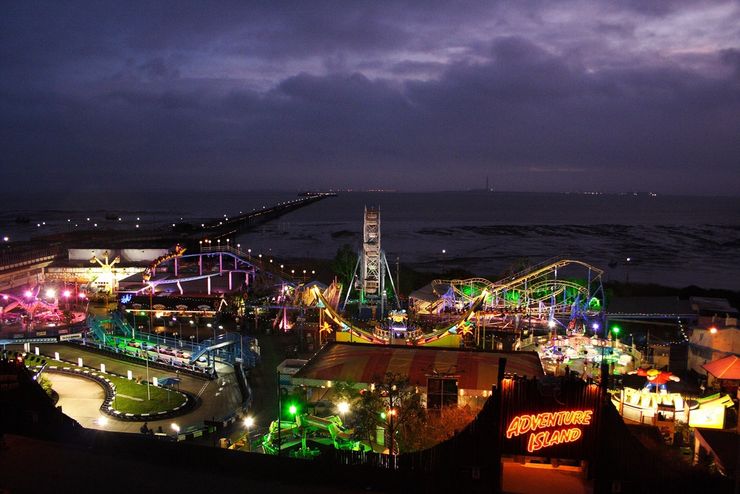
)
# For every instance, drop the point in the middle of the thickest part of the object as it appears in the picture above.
(5, 297)
(28, 294)
(81, 295)
(66, 293)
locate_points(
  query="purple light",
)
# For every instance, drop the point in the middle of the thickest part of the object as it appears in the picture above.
(28, 294)
(595, 326)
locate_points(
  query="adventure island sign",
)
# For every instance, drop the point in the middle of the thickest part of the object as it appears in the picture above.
(549, 428)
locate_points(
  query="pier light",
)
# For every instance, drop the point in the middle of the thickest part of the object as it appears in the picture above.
(238, 246)
(209, 325)
(5, 297)
(270, 261)
(81, 295)
(282, 266)
(66, 294)
(138, 219)
(220, 327)
(28, 294)
(137, 225)
(444, 251)
(175, 428)
(6, 239)
(595, 326)
(615, 330)
(191, 322)
(260, 256)
(292, 271)
(313, 271)
(248, 422)
(713, 330)
(249, 251)
(293, 409)
(551, 323)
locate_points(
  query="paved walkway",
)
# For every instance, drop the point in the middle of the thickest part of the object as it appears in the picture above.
(524, 479)
(79, 398)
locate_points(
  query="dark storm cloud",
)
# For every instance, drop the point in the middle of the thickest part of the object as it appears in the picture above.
(538, 95)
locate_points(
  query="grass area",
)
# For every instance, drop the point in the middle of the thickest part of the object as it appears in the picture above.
(135, 401)
(161, 398)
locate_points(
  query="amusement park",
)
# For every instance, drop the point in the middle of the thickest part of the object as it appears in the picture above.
(208, 342)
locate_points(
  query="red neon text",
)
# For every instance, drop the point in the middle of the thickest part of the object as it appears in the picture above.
(538, 438)
(544, 439)
(521, 424)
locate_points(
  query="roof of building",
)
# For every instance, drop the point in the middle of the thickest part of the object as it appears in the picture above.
(425, 293)
(649, 306)
(361, 363)
(709, 305)
(724, 368)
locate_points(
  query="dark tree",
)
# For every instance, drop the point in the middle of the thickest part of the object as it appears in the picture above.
(344, 263)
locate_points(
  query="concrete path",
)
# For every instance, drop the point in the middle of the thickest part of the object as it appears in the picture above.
(79, 398)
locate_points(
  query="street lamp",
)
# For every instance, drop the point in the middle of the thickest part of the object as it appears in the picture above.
(343, 408)
(248, 423)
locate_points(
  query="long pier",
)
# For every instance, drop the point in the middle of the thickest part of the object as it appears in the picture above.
(229, 227)
(21, 261)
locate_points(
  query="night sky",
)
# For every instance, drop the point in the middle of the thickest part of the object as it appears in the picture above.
(538, 95)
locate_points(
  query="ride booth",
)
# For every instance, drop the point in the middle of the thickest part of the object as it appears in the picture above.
(548, 430)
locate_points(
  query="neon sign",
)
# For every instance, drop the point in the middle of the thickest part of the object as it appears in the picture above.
(560, 427)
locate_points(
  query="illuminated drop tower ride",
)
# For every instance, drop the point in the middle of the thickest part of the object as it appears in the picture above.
(372, 266)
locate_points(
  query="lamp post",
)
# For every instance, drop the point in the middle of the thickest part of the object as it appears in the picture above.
(248, 423)
(148, 392)
(342, 408)
(280, 416)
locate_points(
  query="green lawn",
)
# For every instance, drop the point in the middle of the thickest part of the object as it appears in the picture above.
(162, 399)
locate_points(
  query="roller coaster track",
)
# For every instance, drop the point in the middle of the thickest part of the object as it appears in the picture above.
(520, 281)
(364, 336)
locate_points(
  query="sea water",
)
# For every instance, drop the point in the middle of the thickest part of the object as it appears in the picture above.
(670, 240)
